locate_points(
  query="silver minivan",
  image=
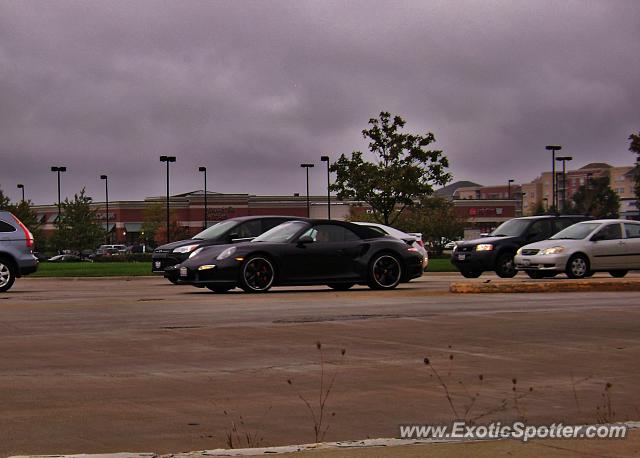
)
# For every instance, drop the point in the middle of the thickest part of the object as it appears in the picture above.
(16, 250)
(606, 245)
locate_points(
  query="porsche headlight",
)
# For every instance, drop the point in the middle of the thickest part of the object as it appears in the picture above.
(196, 252)
(226, 253)
(552, 250)
(186, 248)
(519, 252)
(484, 247)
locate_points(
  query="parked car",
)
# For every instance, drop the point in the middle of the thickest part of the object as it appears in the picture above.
(496, 251)
(16, 250)
(110, 250)
(413, 239)
(65, 258)
(232, 230)
(311, 252)
(608, 245)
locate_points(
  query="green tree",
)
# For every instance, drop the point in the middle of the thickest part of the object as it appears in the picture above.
(404, 171)
(154, 225)
(596, 198)
(4, 201)
(153, 217)
(634, 147)
(24, 212)
(78, 228)
(436, 219)
(540, 210)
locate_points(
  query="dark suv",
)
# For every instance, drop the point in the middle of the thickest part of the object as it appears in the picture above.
(496, 252)
(232, 230)
(16, 255)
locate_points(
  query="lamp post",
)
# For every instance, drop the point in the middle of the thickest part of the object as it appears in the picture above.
(326, 159)
(106, 200)
(168, 160)
(307, 167)
(564, 159)
(21, 186)
(204, 170)
(509, 189)
(58, 169)
(553, 149)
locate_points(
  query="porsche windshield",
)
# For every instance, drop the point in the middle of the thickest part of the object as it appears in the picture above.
(282, 233)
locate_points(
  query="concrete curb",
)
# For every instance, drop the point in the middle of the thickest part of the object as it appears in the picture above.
(556, 286)
(344, 445)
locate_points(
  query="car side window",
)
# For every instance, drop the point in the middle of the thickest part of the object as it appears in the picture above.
(330, 233)
(540, 230)
(6, 227)
(632, 231)
(248, 229)
(610, 232)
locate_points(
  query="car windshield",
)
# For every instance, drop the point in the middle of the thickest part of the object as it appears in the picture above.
(282, 233)
(576, 232)
(216, 230)
(511, 228)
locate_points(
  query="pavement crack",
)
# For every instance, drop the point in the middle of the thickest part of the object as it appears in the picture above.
(313, 319)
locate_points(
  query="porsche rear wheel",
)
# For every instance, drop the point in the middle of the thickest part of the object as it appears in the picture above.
(385, 272)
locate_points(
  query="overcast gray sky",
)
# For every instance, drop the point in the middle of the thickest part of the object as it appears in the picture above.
(252, 88)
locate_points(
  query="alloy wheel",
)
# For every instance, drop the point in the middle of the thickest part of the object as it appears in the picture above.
(257, 274)
(5, 275)
(386, 271)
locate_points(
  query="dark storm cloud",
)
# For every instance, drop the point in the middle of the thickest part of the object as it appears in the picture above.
(251, 89)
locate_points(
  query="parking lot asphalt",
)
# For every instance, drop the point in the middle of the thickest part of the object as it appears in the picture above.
(108, 365)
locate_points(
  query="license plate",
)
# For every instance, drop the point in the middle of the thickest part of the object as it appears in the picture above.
(183, 271)
(462, 257)
(158, 264)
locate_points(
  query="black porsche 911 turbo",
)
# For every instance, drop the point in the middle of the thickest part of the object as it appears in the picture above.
(310, 252)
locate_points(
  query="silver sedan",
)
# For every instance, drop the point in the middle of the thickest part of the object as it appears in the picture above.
(608, 245)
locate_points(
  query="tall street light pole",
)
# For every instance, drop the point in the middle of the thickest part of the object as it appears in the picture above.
(168, 160)
(204, 170)
(564, 159)
(509, 188)
(59, 169)
(327, 160)
(553, 149)
(106, 199)
(21, 186)
(307, 166)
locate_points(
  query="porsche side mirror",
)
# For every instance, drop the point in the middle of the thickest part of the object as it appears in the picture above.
(305, 239)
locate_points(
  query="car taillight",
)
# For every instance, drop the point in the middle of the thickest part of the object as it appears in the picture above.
(415, 250)
(27, 234)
